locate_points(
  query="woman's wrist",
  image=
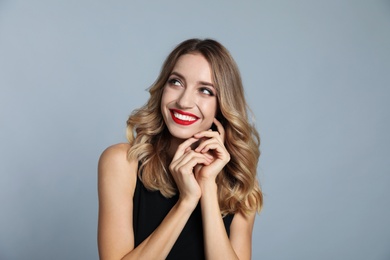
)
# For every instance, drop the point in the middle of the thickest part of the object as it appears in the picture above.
(208, 187)
(188, 204)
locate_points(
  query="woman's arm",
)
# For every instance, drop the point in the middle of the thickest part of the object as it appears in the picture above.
(241, 234)
(217, 243)
(116, 184)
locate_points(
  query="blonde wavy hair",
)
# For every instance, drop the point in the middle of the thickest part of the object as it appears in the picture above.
(238, 187)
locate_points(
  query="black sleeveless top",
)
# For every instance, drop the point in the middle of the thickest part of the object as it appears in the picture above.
(151, 207)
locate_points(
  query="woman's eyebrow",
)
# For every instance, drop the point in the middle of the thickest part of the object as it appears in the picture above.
(206, 83)
(177, 74)
(200, 82)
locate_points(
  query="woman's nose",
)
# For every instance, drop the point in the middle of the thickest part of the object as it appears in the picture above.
(186, 99)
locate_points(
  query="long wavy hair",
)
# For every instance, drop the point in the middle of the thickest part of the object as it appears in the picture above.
(238, 187)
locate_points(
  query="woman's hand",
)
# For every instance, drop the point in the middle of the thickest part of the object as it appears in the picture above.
(212, 145)
(182, 170)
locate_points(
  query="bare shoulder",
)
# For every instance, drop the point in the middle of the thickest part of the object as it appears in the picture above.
(115, 156)
(115, 153)
(114, 165)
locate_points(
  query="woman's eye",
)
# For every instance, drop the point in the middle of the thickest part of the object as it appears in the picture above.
(174, 82)
(206, 91)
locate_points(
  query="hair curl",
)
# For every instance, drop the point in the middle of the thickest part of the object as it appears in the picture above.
(238, 187)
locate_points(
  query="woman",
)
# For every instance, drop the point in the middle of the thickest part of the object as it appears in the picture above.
(185, 185)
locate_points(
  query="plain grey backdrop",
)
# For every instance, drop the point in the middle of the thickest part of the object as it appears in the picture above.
(316, 74)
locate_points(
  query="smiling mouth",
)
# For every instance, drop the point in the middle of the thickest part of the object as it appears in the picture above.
(183, 118)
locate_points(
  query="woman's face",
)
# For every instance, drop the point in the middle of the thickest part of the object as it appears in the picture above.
(189, 101)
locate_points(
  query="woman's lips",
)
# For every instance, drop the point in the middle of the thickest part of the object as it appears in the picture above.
(183, 118)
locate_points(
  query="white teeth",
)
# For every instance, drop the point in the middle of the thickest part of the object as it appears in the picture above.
(184, 117)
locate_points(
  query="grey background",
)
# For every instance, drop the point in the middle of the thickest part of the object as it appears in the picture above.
(316, 75)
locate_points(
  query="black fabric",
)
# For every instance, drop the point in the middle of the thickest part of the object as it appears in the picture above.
(151, 207)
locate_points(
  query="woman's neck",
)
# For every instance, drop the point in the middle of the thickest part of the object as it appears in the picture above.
(174, 144)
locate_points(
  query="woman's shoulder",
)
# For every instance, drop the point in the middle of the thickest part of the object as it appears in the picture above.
(116, 151)
(114, 161)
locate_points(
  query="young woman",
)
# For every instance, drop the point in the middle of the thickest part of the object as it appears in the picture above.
(185, 185)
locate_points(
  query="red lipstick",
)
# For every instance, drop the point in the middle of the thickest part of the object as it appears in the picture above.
(183, 118)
